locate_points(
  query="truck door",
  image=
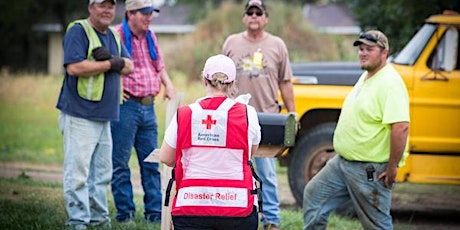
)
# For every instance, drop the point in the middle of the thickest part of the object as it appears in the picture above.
(435, 107)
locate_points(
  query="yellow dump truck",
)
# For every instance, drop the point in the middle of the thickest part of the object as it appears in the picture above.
(430, 67)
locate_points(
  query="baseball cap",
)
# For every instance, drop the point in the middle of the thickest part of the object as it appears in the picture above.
(144, 6)
(220, 64)
(101, 1)
(255, 3)
(372, 38)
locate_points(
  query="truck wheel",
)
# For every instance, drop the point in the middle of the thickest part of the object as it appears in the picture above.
(309, 155)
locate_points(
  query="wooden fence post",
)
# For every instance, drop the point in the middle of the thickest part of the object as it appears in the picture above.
(166, 219)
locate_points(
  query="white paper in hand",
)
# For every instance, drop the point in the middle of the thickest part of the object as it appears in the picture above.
(153, 157)
(244, 98)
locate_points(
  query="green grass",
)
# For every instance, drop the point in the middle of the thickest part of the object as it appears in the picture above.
(28, 120)
(24, 133)
(29, 204)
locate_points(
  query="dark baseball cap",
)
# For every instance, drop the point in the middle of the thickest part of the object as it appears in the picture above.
(255, 3)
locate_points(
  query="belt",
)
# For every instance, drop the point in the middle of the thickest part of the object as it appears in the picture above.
(147, 100)
(361, 161)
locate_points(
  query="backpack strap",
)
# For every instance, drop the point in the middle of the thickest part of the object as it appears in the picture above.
(258, 190)
(168, 189)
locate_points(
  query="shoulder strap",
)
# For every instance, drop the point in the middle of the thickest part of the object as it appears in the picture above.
(168, 189)
(92, 36)
(117, 39)
(227, 104)
(258, 190)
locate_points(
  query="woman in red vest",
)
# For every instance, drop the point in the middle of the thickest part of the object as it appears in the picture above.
(210, 143)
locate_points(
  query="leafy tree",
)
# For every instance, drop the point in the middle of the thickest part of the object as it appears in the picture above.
(22, 44)
(202, 8)
(399, 20)
(63, 12)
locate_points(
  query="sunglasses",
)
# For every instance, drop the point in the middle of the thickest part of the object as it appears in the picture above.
(369, 37)
(257, 12)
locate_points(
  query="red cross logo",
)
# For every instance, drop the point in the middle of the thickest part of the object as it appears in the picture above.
(208, 122)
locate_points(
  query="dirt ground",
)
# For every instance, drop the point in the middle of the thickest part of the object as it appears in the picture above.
(418, 206)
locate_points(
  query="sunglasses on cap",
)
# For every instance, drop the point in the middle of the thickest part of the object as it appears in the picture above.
(369, 37)
(257, 12)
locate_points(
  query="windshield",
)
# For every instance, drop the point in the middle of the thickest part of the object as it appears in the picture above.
(412, 51)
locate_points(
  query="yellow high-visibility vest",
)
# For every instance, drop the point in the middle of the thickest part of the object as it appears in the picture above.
(92, 87)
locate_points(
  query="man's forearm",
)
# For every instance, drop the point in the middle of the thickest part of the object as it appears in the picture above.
(87, 68)
(287, 94)
(399, 132)
(165, 80)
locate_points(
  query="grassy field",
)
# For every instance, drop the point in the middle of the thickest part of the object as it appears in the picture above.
(29, 134)
(28, 204)
(29, 120)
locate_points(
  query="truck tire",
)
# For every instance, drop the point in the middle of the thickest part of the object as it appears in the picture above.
(309, 155)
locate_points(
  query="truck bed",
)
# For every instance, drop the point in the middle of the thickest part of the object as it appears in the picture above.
(326, 73)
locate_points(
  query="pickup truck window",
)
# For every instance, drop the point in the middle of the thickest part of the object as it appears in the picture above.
(439, 59)
(412, 51)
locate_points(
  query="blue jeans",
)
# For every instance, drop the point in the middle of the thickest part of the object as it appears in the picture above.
(341, 180)
(87, 169)
(266, 170)
(137, 128)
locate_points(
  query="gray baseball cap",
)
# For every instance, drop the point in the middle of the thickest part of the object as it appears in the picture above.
(373, 38)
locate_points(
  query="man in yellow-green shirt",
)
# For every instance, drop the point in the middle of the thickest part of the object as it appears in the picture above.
(370, 141)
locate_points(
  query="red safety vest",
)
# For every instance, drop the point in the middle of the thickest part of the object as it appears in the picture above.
(213, 177)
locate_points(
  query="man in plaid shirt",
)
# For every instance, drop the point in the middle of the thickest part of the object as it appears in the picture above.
(138, 123)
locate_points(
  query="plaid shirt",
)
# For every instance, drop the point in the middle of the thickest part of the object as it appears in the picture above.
(145, 79)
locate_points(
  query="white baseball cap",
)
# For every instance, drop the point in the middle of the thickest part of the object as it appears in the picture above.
(101, 1)
(220, 64)
(144, 6)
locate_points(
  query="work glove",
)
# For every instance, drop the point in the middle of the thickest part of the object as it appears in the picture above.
(116, 64)
(101, 54)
